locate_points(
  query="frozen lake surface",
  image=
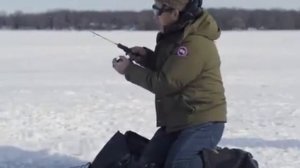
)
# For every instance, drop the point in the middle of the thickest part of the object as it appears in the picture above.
(60, 99)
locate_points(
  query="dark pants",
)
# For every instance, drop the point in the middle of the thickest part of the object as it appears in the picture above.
(181, 149)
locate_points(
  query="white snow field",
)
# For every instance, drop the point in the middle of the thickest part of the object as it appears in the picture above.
(61, 100)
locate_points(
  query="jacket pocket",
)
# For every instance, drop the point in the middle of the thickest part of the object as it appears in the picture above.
(184, 101)
(176, 110)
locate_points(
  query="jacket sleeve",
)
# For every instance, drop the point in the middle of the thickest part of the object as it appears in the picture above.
(177, 72)
(150, 59)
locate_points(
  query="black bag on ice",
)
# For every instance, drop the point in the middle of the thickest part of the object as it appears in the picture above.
(228, 158)
(120, 151)
(124, 150)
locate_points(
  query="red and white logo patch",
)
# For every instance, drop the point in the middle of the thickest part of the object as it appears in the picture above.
(182, 51)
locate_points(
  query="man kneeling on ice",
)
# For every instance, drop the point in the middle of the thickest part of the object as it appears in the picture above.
(184, 74)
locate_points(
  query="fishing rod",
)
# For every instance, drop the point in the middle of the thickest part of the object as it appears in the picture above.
(126, 49)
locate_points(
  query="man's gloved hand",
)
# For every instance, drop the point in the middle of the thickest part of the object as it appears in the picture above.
(139, 55)
(121, 64)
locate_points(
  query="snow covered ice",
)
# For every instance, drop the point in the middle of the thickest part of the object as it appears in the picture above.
(61, 100)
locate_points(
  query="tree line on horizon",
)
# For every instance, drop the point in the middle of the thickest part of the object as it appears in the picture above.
(228, 19)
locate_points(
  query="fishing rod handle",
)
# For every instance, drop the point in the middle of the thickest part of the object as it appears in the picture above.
(128, 51)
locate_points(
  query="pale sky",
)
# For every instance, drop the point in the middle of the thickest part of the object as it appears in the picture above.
(137, 5)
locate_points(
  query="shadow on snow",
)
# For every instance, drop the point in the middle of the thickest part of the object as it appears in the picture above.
(12, 157)
(261, 143)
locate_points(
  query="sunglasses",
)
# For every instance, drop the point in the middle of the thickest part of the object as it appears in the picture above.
(160, 10)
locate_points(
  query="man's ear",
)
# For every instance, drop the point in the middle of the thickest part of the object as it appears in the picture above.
(175, 14)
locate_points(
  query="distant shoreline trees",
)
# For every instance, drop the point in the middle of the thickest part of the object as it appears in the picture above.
(228, 19)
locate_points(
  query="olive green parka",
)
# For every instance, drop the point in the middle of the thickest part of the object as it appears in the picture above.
(184, 74)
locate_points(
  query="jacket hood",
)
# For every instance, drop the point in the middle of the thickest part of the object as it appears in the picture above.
(205, 26)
